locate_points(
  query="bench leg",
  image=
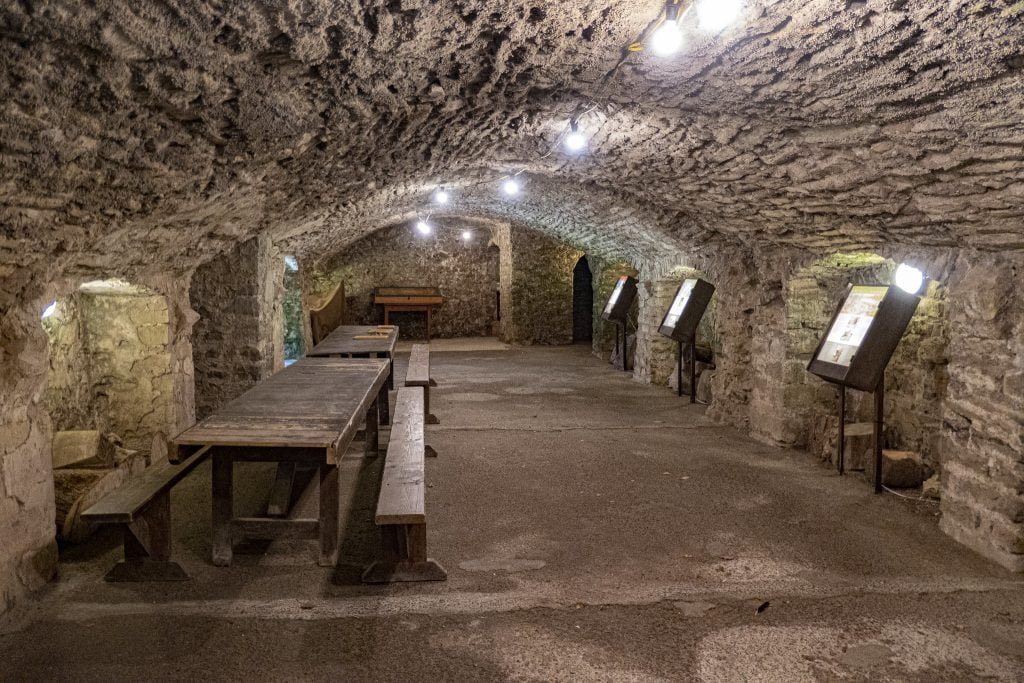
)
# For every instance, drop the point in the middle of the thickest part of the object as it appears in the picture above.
(384, 406)
(330, 529)
(428, 418)
(371, 436)
(405, 557)
(147, 547)
(223, 509)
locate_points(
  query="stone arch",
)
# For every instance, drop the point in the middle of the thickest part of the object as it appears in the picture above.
(916, 377)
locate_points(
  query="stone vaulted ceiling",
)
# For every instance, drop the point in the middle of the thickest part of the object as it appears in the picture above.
(158, 132)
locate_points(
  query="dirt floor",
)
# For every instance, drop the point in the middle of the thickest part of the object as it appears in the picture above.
(593, 528)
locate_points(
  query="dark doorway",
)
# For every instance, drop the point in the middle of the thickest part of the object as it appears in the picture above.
(582, 302)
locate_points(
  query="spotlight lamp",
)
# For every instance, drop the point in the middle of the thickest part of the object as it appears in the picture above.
(715, 15)
(575, 141)
(668, 38)
(511, 187)
(423, 227)
(467, 235)
(442, 196)
(908, 278)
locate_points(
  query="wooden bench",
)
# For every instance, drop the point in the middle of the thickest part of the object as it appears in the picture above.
(143, 509)
(418, 375)
(401, 506)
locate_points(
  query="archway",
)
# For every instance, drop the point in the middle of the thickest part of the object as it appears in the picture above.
(582, 302)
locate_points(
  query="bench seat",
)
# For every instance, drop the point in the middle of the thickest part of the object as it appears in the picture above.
(418, 375)
(143, 509)
(401, 506)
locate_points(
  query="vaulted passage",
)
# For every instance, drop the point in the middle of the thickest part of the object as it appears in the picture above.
(710, 311)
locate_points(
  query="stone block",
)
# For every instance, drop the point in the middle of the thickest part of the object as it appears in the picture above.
(901, 469)
(72, 447)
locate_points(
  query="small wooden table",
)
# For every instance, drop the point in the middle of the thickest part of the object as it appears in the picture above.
(408, 299)
(306, 413)
(342, 343)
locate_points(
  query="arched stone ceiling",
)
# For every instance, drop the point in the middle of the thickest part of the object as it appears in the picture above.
(157, 132)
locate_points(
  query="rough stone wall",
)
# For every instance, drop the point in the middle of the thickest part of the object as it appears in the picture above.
(536, 287)
(983, 423)
(466, 272)
(239, 338)
(110, 365)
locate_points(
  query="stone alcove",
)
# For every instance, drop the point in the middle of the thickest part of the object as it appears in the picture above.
(916, 377)
(109, 391)
(656, 357)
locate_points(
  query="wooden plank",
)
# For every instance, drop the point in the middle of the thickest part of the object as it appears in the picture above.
(418, 374)
(342, 342)
(415, 300)
(122, 506)
(403, 490)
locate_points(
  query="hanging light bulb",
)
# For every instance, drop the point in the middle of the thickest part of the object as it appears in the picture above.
(668, 38)
(908, 278)
(424, 227)
(467, 235)
(442, 196)
(511, 187)
(575, 141)
(714, 15)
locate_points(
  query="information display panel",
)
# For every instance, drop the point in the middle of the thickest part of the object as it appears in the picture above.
(688, 307)
(621, 299)
(862, 335)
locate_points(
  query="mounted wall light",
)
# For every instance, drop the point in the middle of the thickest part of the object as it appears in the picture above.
(714, 15)
(423, 227)
(50, 310)
(442, 196)
(511, 187)
(668, 38)
(908, 278)
(575, 141)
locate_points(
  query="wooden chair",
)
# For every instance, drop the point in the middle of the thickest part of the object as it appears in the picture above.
(401, 506)
(143, 510)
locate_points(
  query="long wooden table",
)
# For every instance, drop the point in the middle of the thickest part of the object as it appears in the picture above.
(307, 413)
(342, 343)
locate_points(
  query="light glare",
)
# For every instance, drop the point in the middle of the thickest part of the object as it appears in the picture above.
(667, 39)
(576, 141)
(715, 15)
(909, 279)
(511, 187)
(442, 197)
(424, 227)
(467, 235)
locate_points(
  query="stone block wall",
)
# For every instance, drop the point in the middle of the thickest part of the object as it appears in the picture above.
(536, 287)
(466, 272)
(239, 337)
(983, 421)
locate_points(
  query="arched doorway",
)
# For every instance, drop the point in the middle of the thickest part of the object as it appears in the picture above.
(582, 302)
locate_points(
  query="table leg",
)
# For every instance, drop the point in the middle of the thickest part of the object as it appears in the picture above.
(330, 529)
(428, 324)
(223, 509)
(387, 315)
(371, 445)
(383, 406)
(391, 372)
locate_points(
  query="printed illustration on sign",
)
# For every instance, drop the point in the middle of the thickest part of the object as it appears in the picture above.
(852, 325)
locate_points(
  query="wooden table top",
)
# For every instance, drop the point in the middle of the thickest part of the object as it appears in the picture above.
(342, 341)
(315, 403)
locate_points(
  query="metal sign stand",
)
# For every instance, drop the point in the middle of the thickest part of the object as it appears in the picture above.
(878, 431)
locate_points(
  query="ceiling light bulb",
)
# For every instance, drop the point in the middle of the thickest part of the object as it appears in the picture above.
(667, 39)
(424, 227)
(50, 310)
(714, 15)
(467, 235)
(442, 196)
(575, 141)
(511, 187)
(908, 278)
